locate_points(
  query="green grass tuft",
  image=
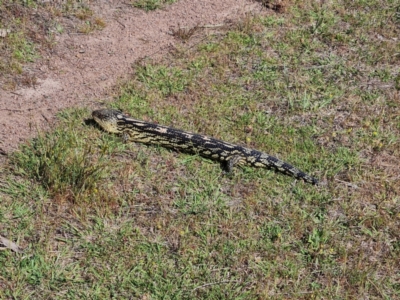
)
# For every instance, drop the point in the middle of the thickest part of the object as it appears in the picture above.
(148, 5)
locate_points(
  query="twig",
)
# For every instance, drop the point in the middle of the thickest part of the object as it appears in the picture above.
(204, 26)
(44, 117)
(123, 25)
(379, 291)
(9, 245)
(3, 152)
(301, 293)
(348, 184)
(213, 283)
(13, 110)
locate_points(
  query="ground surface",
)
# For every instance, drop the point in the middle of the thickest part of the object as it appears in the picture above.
(85, 216)
(83, 67)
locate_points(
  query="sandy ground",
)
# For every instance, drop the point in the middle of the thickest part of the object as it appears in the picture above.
(82, 69)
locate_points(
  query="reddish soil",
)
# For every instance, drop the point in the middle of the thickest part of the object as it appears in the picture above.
(82, 69)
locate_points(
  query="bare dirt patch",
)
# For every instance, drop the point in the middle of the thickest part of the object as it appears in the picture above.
(82, 68)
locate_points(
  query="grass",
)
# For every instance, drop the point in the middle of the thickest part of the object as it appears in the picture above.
(148, 5)
(30, 29)
(315, 85)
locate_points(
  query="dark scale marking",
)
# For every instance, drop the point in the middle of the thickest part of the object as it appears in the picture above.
(228, 154)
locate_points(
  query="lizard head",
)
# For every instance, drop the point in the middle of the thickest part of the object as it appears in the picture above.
(108, 119)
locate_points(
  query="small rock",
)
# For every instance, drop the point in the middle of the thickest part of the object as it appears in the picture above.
(4, 32)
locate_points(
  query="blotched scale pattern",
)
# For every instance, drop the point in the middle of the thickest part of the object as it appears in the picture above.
(149, 133)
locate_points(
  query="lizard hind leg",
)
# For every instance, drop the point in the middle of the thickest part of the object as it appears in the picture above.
(231, 162)
(125, 137)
